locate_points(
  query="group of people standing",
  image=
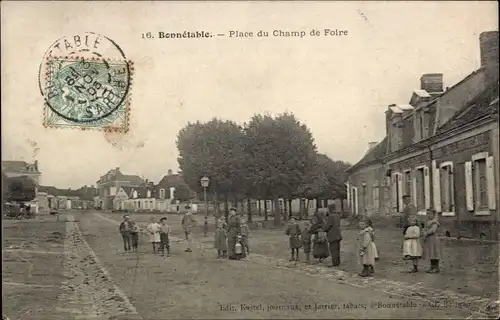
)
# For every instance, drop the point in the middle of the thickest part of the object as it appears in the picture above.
(420, 239)
(157, 232)
(232, 237)
(322, 232)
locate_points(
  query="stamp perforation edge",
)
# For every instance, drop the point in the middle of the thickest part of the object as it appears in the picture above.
(124, 128)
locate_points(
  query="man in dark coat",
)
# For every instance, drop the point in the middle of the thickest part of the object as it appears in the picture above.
(125, 229)
(333, 234)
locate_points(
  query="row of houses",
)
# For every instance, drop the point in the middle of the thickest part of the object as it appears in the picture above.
(442, 150)
(119, 191)
(48, 198)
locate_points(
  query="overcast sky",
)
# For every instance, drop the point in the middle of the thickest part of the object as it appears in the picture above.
(339, 86)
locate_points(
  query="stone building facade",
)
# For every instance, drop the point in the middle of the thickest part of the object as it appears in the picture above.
(441, 149)
(109, 184)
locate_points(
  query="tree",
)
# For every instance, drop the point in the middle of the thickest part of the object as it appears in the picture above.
(215, 149)
(182, 193)
(20, 189)
(280, 151)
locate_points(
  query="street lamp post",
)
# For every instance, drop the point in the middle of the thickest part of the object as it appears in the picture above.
(204, 183)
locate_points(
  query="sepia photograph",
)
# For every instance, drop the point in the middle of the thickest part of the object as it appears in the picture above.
(250, 160)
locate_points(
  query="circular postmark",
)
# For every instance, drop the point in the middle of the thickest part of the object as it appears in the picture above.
(85, 79)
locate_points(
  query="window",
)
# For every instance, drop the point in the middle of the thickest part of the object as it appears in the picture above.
(138, 204)
(148, 194)
(446, 188)
(397, 192)
(422, 189)
(354, 198)
(365, 198)
(162, 193)
(375, 195)
(480, 184)
(407, 183)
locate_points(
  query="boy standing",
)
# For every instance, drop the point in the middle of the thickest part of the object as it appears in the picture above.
(293, 232)
(125, 228)
(188, 222)
(134, 235)
(305, 238)
(164, 241)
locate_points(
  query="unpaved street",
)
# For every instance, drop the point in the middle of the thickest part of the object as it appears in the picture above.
(196, 285)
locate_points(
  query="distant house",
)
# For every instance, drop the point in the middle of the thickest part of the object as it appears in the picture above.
(15, 169)
(148, 197)
(21, 168)
(52, 198)
(142, 198)
(109, 184)
(442, 150)
(165, 190)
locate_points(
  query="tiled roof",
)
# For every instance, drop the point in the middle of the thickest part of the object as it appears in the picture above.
(116, 175)
(134, 179)
(128, 190)
(142, 192)
(173, 180)
(51, 190)
(18, 166)
(375, 154)
(483, 105)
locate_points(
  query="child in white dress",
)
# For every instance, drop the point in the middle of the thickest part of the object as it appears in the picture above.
(372, 231)
(153, 229)
(412, 250)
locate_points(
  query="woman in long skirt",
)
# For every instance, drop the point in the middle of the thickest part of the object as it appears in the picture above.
(432, 248)
(234, 230)
(220, 241)
(320, 243)
(365, 249)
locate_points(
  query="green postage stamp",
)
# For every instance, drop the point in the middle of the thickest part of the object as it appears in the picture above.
(86, 81)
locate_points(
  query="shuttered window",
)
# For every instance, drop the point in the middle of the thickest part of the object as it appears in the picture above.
(365, 198)
(375, 194)
(446, 188)
(407, 182)
(480, 184)
(419, 180)
(355, 200)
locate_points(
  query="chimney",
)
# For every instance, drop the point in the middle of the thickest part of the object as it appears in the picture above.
(432, 82)
(117, 169)
(169, 172)
(371, 145)
(488, 46)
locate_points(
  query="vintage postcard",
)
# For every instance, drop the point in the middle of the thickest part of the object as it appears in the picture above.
(250, 160)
